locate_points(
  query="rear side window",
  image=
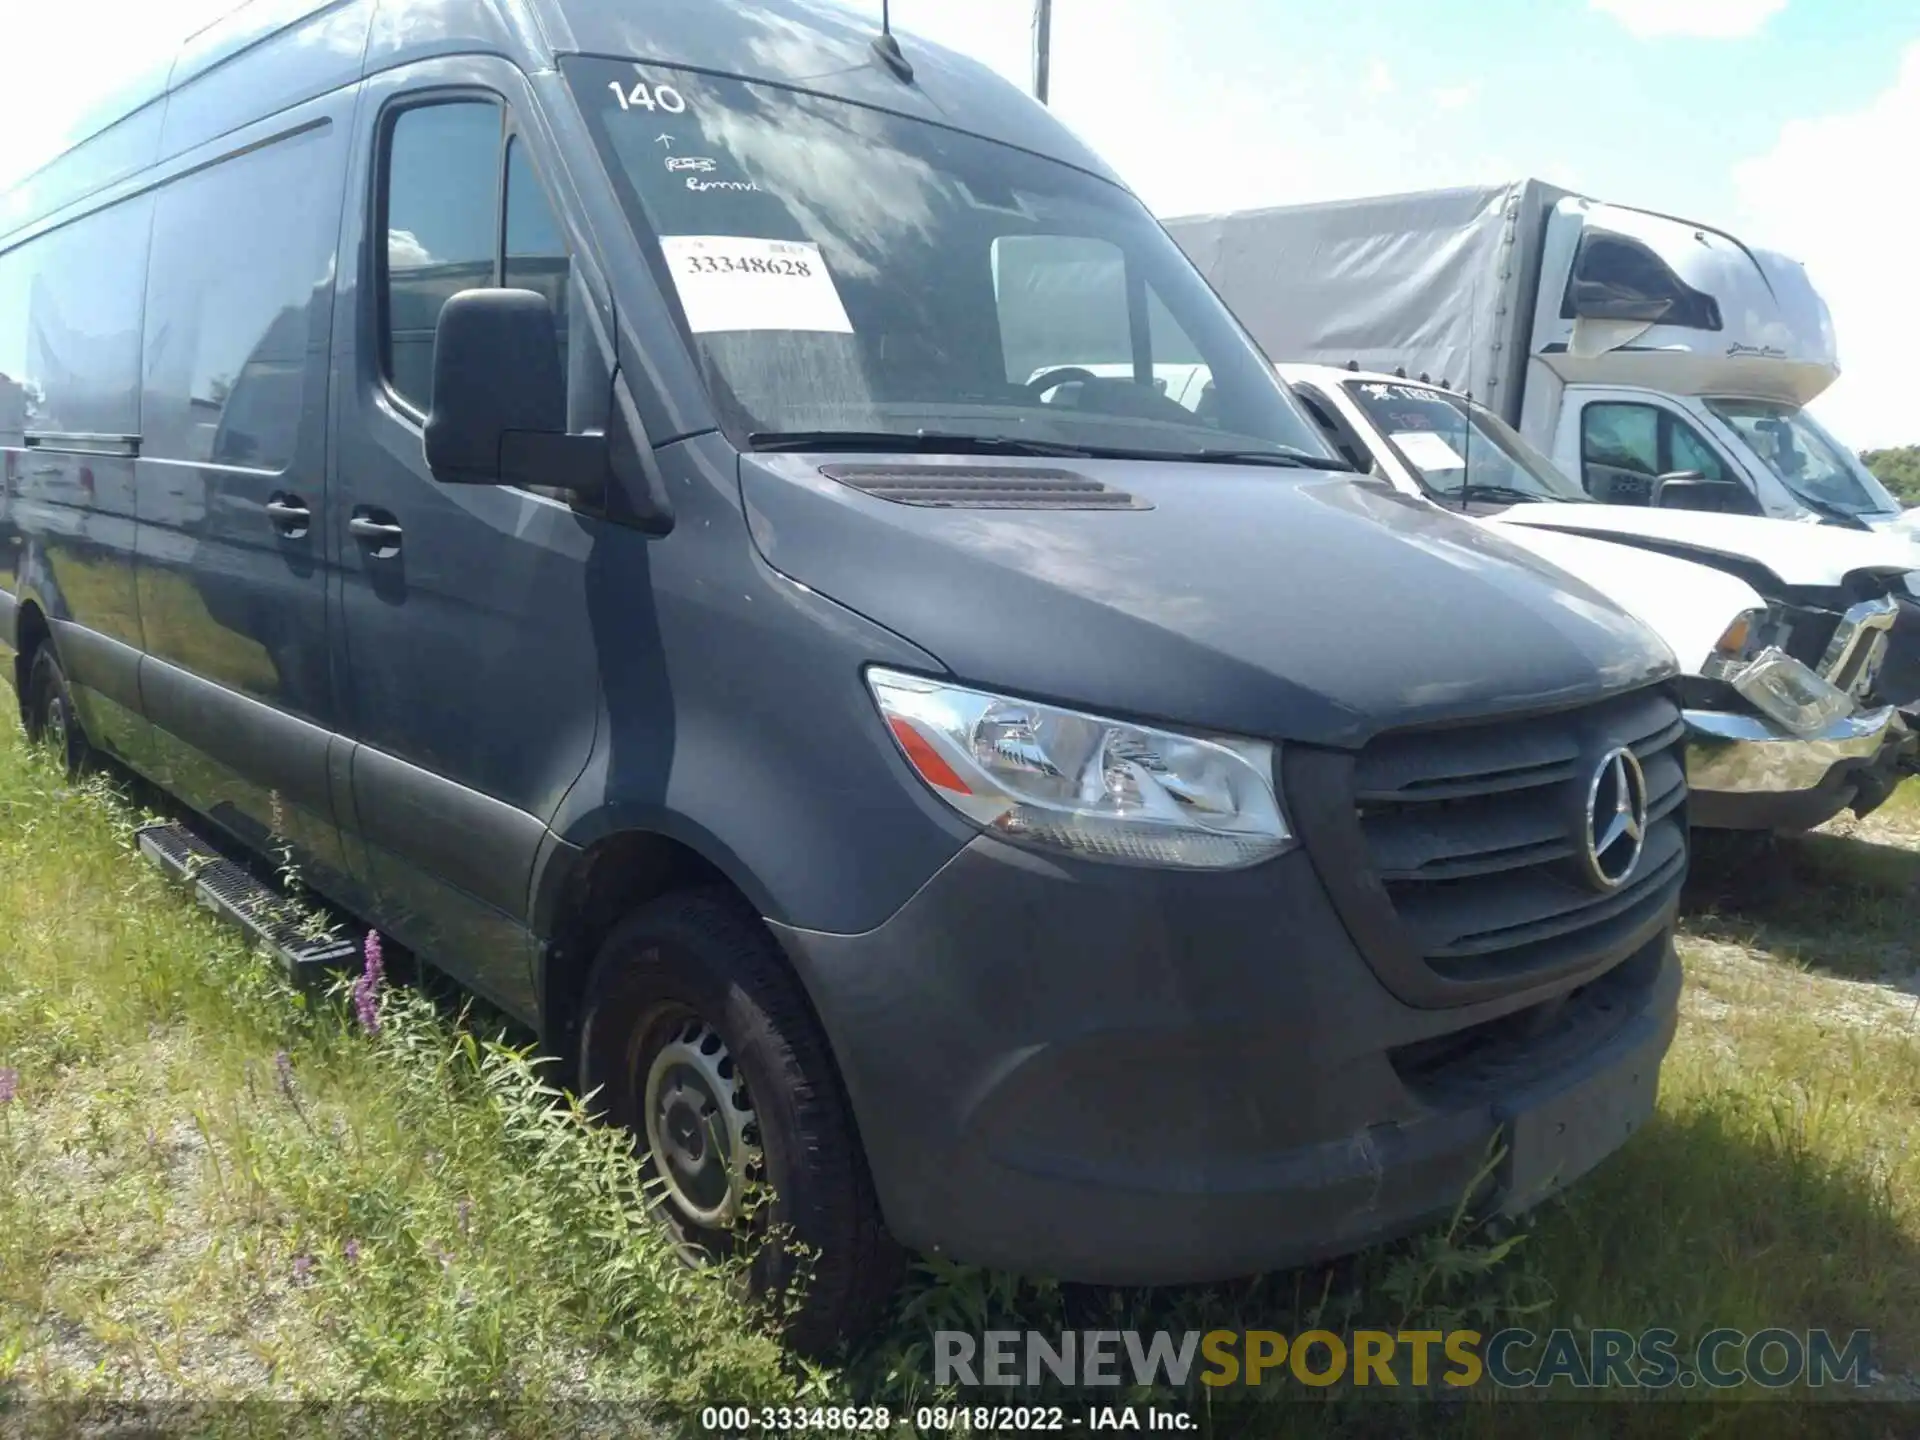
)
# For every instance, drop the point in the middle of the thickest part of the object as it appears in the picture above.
(240, 250)
(464, 211)
(70, 326)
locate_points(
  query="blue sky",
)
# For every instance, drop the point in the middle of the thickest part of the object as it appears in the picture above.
(1796, 123)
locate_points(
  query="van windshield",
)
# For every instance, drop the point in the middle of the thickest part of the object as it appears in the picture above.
(1460, 450)
(846, 270)
(1807, 460)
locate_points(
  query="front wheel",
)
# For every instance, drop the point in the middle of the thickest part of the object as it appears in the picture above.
(701, 1042)
(49, 714)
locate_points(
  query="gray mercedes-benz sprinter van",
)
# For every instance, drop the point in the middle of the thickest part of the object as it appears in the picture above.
(606, 488)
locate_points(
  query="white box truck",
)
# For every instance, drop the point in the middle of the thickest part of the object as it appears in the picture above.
(1657, 360)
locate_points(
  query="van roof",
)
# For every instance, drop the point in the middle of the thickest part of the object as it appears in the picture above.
(315, 45)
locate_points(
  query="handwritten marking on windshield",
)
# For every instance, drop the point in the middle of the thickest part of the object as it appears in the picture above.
(696, 184)
(700, 163)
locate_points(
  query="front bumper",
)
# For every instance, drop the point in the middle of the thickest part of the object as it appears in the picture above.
(1745, 772)
(1124, 1076)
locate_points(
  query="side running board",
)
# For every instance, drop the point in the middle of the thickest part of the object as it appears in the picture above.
(231, 892)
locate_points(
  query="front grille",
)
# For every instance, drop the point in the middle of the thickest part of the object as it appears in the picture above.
(1458, 857)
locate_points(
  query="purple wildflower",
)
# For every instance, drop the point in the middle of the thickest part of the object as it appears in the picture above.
(352, 1251)
(366, 990)
(302, 1269)
(9, 1084)
(283, 1063)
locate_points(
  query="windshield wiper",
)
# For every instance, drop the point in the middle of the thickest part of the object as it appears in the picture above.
(946, 442)
(1291, 459)
(1495, 493)
(932, 442)
(1827, 510)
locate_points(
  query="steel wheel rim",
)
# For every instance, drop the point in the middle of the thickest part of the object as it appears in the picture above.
(701, 1129)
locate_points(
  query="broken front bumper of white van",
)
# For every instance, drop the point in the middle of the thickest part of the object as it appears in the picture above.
(1748, 772)
(1781, 745)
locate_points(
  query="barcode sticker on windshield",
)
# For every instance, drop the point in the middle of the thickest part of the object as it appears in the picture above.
(739, 282)
(1427, 450)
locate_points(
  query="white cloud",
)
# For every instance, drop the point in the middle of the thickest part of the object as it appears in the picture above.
(1830, 193)
(1705, 19)
(81, 51)
(405, 252)
(1456, 97)
(1379, 79)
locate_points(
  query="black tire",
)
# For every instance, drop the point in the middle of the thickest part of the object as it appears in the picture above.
(697, 969)
(49, 714)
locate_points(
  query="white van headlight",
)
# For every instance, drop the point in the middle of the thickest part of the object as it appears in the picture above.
(1775, 683)
(1100, 789)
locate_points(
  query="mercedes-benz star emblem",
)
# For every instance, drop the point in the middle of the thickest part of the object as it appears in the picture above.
(1616, 819)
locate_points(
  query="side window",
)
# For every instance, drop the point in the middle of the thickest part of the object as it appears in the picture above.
(70, 324)
(1687, 450)
(1620, 452)
(443, 231)
(240, 249)
(1323, 414)
(16, 280)
(536, 254)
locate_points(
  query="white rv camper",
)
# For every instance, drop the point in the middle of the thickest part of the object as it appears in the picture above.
(1657, 360)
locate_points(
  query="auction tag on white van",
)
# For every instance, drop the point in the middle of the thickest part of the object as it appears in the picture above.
(739, 282)
(1427, 450)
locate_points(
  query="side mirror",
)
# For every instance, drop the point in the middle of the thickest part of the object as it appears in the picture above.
(1596, 300)
(499, 412)
(1690, 490)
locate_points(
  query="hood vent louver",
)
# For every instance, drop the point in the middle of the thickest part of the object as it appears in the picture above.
(983, 487)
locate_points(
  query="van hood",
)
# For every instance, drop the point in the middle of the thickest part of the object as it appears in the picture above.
(1288, 604)
(1795, 552)
(1686, 604)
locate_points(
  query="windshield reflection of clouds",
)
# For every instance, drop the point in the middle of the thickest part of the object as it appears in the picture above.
(878, 195)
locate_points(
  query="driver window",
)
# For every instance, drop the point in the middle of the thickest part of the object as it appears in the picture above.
(1620, 452)
(1687, 450)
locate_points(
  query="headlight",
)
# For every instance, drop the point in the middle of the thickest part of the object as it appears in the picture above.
(1101, 789)
(1772, 680)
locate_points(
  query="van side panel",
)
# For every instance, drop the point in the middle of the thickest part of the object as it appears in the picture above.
(233, 568)
(70, 318)
(234, 71)
(126, 147)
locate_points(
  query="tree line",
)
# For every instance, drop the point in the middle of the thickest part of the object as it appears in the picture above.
(1898, 469)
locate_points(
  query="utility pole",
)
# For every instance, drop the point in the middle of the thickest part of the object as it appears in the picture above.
(1042, 45)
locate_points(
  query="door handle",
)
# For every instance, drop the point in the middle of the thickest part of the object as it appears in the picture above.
(289, 515)
(381, 534)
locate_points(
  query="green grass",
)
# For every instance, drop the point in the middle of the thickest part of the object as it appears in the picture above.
(411, 1218)
(186, 1214)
